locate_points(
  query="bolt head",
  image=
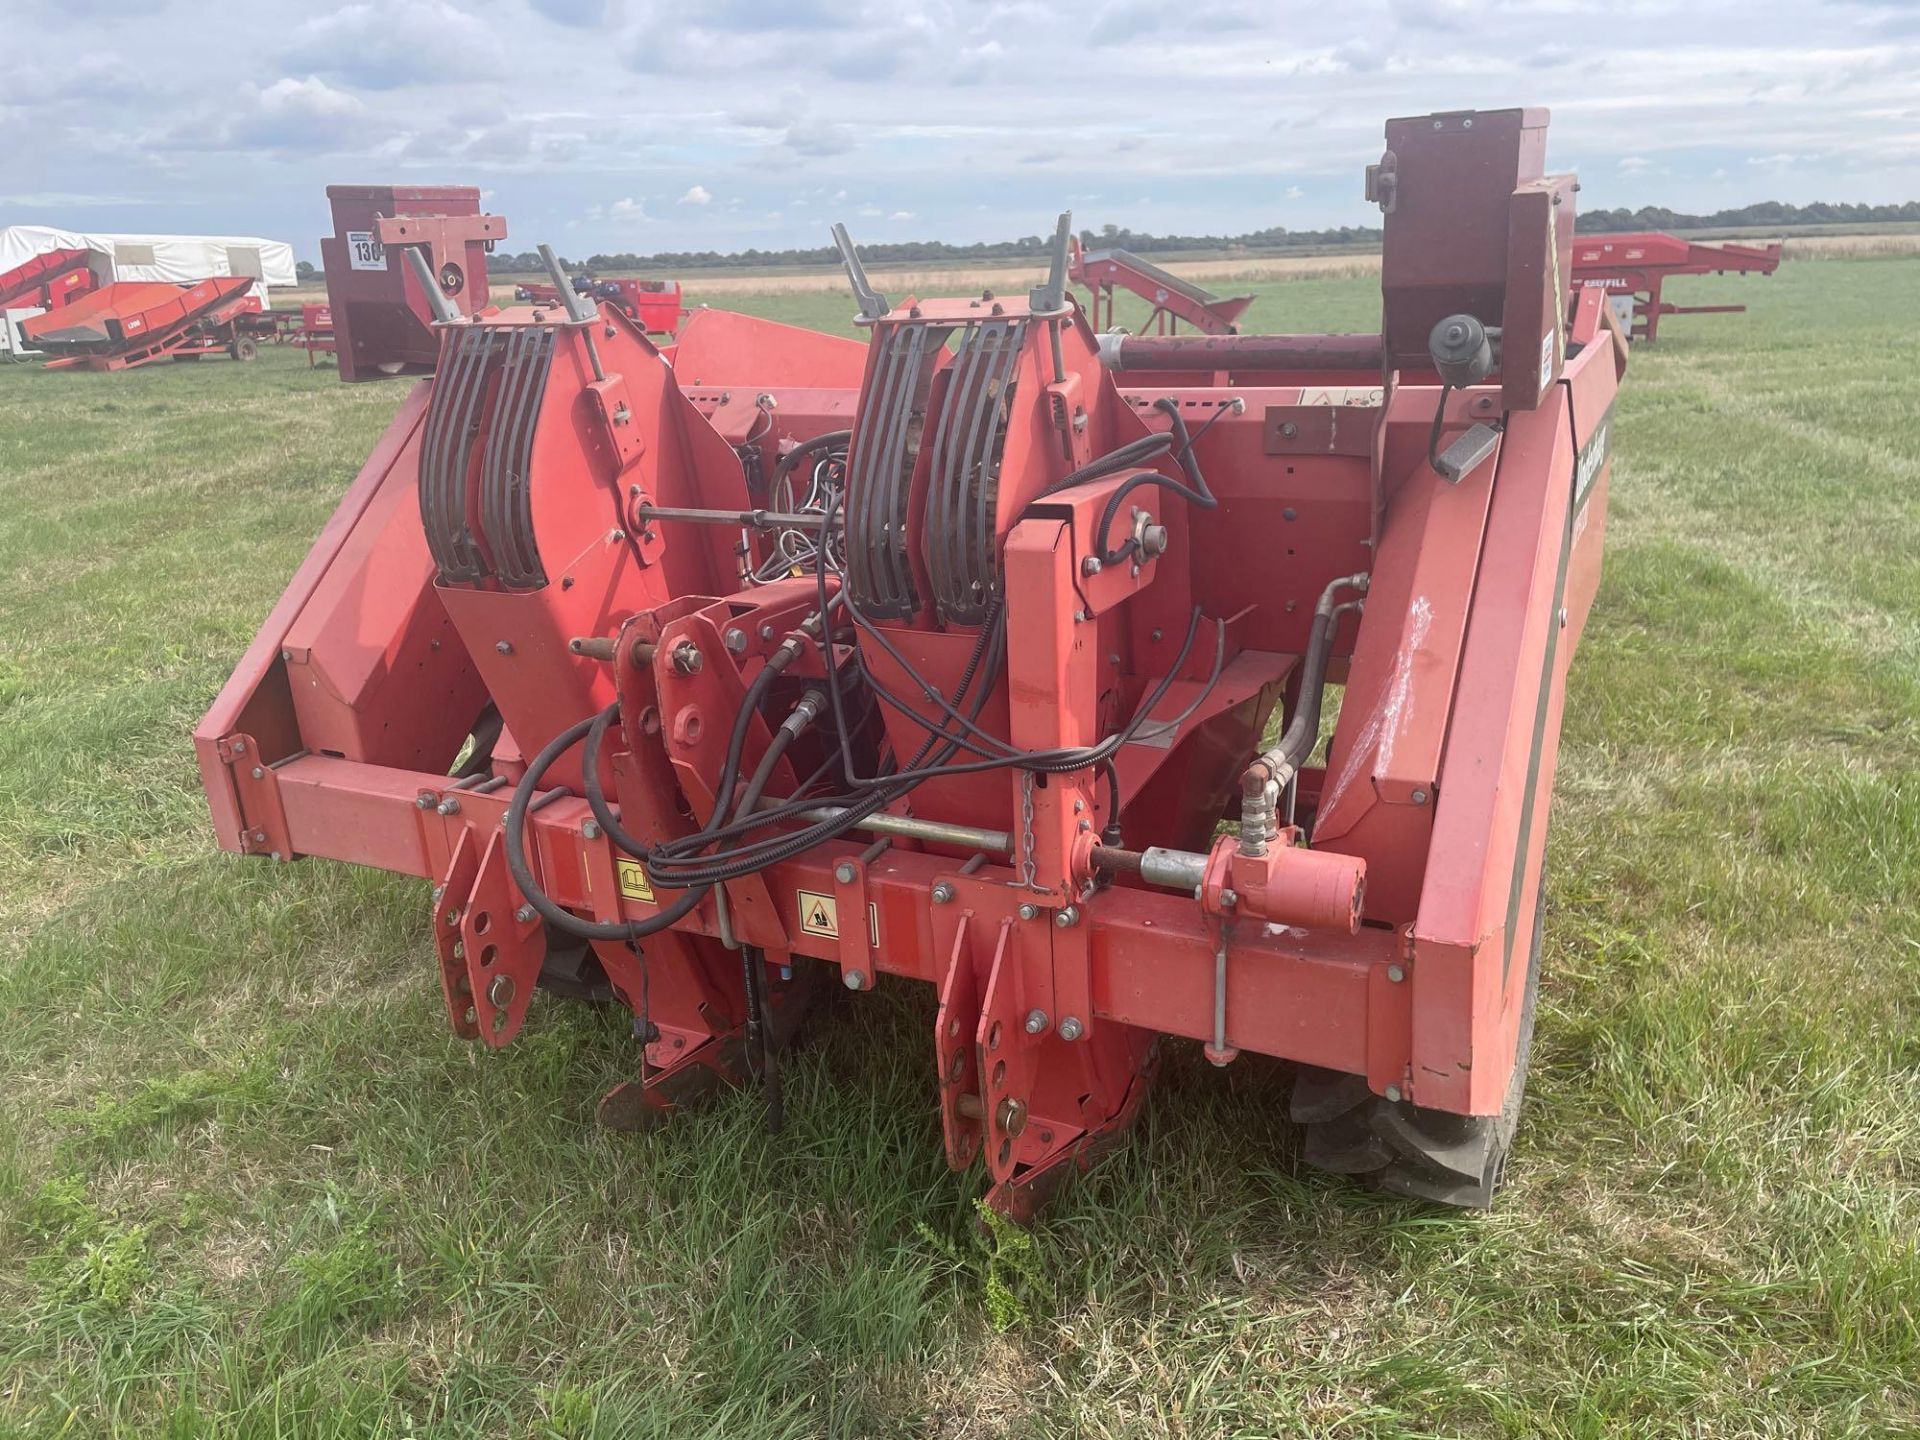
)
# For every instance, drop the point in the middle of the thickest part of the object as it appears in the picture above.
(287, 656)
(239, 747)
(1071, 1028)
(1229, 899)
(766, 632)
(525, 914)
(453, 918)
(1396, 973)
(736, 639)
(448, 806)
(505, 647)
(426, 800)
(258, 773)
(845, 873)
(1066, 917)
(1419, 797)
(1029, 911)
(687, 658)
(942, 893)
(1393, 1093)
(590, 830)
(1090, 565)
(1036, 1021)
(855, 979)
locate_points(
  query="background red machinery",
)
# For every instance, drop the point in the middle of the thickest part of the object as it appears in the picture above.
(657, 305)
(383, 310)
(960, 657)
(129, 323)
(1637, 266)
(1175, 301)
(48, 280)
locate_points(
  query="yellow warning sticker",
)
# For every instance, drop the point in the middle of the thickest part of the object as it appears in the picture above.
(634, 884)
(820, 915)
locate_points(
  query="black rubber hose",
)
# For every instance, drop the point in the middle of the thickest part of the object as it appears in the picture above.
(522, 872)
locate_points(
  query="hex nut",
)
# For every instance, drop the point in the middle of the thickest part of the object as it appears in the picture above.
(855, 979)
(736, 640)
(687, 658)
(1071, 1028)
(844, 872)
(1066, 918)
(942, 893)
(1036, 1021)
(1029, 911)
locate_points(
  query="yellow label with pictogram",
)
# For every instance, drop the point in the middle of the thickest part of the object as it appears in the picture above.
(634, 884)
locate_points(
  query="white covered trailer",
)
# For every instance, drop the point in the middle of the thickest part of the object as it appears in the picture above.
(180, 259)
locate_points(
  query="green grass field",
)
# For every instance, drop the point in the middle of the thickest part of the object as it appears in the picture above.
(250, 1186)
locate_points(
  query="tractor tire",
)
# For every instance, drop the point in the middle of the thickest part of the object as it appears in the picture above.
(572, 971)
(1403, 1149)
(244, 347)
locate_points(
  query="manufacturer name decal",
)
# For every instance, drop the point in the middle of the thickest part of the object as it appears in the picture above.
(1592, 456)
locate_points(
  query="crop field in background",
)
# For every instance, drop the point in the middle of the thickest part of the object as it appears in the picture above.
(251, 1186)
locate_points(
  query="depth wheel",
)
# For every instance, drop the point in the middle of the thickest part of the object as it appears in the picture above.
(1404, 1149)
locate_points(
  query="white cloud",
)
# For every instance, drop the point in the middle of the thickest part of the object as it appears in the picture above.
(901, 215)
(925, 105)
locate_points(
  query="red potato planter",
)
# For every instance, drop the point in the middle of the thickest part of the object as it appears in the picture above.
(943, 657)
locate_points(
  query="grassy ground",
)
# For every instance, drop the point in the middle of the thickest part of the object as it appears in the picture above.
(249, 1185)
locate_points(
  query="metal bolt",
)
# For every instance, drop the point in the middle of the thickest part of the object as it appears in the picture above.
(1289, 429)
(259, 837)
(844, 872)
(1066, 918)
(439, 893)
(287, 655)
(453, 918)
(239, 747)
(448, 806)
(855, 979)
(1036, 1021)
(500, 991)
(1013, 1117)
(258, 773)
(942, 893)
(426, 800)
(1071, 1029)
(1563, 617)
(459, 950)
(1156, 635)
(1029, 911)
(736, 639)
(1393, 1093)
(1419, 797)
(766, 632)
(1229, 898)
(525, 914)
(1090, 565)
(1396, 974)
(505, 647)
(687, 658)
(276, 856)
(590, 830)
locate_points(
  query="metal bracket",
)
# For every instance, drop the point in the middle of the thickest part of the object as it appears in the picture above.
(263, 819)
(873, 305)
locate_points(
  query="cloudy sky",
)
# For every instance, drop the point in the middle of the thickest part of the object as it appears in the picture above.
(606, 125)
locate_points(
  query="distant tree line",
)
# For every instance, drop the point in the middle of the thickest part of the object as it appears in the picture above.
(1768, 213)
(1275, 239)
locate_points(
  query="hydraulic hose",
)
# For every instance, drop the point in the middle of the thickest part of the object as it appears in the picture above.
(1274, 769)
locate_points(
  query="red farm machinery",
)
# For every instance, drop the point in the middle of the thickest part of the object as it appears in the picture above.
(1633, 269)
(1174, 300)
(655, 305)
(991, 653)
(130, 323)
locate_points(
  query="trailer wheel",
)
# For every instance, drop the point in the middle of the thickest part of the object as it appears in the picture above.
(244, 347)
(1404, 1149)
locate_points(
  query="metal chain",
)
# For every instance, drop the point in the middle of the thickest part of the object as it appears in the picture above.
(1029, 872)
